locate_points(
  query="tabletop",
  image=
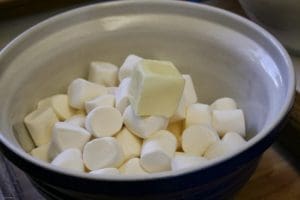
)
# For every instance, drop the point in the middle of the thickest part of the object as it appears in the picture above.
(277, 175)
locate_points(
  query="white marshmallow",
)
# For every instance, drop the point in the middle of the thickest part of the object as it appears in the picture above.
(66, 136)
(39, 124)
(104, 121)
(143, 126)
(60, 105)
(180, 113)
(103, 73)
(105, 171)
(189, 91)
(224, 104)
(231, 142)
(77, 120)
(228, 121)
(80, 91)
(112, 90)
(197, 138)
(198, 114)
(157, 151)
(189, 97)
(41, 152)
(102, 153)
(234, 140)
(128, 65)
(176, 128)
(216, 150)
(69, 159)
(23, 136)
(183, 161)
(130, 143)
(46, 102)
(132, 167)
(104, 100)
(122, 95)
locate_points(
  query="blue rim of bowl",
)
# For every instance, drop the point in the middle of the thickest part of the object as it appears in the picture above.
(262, 135)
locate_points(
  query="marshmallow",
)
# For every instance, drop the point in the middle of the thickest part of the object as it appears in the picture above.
(41, 152)
(216, 150)
(59, 104)
(102, 153)
(40, 123)
(189, 91)
(198, 114)
(176, 128)
(23, 136)
(197, 138)
(66, 136)
(128, 65)
(228, 121)
(112, 90)
(81, 90)
(132, 167)
(77, 120)
(143, 127)
(104, 121)
(224, 104)
(122, 95)
(104, 100)
(231, 142)
(157, 151)
(149, 82)
(189, 97)
(180, 113)
(131, 144)
(103, 73)
(69, 159)
(234, 140)
(183, 161)
(46, 102)
(105, 171)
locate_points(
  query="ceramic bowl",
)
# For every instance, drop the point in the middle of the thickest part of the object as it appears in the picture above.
(226, 55)
(281, 18)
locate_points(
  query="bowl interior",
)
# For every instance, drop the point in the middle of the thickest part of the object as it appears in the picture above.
(224, 55)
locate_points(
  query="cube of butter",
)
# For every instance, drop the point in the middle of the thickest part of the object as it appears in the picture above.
(156, 88)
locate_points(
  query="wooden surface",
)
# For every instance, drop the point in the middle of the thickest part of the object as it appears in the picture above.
(277, 176)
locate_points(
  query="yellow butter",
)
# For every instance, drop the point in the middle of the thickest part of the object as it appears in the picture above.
(156, 88)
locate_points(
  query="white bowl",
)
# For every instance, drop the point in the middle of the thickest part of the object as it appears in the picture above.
(225, 54)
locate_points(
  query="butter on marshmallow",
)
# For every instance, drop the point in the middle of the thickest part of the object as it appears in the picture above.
(156, 88)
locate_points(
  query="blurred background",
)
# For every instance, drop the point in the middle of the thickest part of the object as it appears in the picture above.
(277, 176)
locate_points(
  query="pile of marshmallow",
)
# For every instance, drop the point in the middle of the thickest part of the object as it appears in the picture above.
(141, 118)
